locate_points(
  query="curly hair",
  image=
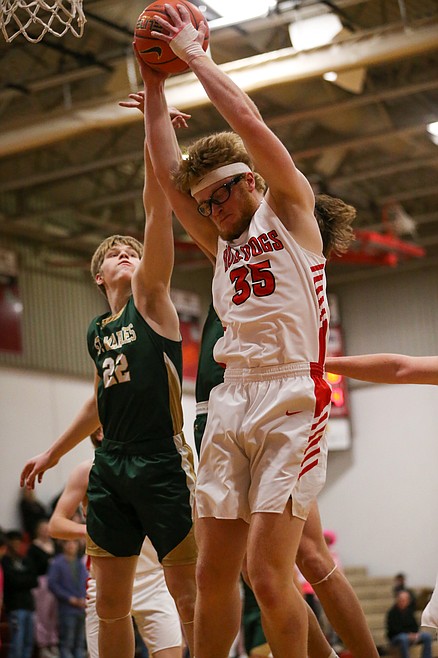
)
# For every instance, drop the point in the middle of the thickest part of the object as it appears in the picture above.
(210, 152)
(105, 246)
(334, 218)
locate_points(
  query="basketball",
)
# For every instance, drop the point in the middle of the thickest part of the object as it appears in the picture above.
(158, 54)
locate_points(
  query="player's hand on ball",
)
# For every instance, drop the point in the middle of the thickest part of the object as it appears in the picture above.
(185, 41)
(178, 20)
(148, 73)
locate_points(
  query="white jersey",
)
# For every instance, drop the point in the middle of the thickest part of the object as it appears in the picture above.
(270, 294)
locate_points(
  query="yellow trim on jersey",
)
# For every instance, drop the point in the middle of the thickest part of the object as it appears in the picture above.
(106, 321)
(175, 406)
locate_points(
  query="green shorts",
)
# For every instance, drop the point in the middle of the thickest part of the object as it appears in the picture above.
(134, 495)
(252, 625)
(198, 430)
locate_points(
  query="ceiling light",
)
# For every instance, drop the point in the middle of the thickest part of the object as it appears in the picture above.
(330, 76)
(432, 128)
(232, 12)
(352, 80)
(313, 32)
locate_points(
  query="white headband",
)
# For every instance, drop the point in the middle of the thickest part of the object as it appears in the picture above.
(219, 174)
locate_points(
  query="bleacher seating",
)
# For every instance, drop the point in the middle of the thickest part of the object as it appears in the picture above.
(375, 596)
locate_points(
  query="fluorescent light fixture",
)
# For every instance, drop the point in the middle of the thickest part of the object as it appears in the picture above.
(330, 76)
(432, 128)
(232, 12)
(352, 80)
(313, 32)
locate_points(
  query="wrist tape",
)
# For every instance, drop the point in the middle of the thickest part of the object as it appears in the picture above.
(185, 46)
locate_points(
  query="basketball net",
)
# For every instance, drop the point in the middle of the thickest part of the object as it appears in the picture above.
(34, 18)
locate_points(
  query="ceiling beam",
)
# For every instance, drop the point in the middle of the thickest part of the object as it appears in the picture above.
(251, 74)
(406, 195)
(386, 94)
(386, 170)
(350, 143)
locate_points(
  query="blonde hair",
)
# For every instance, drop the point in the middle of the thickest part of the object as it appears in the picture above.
(105, 246)
(210, 152)
(334, 218)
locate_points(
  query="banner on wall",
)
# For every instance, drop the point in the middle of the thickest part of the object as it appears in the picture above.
(188, 306)
(11, 307)
(339, 425)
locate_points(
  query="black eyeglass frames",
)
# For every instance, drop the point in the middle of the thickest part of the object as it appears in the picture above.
(219, 196)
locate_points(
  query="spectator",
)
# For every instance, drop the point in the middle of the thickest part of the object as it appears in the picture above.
(41, 552)
(31, 512)
(402, 627)
(400, 585)
(19, 580)
(67, 579)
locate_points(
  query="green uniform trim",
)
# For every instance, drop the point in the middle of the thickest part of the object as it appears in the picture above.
(210, 373)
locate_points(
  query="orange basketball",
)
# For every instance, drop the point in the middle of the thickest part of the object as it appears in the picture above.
(158, 54)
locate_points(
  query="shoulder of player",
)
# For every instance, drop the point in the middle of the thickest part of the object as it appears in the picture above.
(298, 219)
(158, 311)
(80, 473)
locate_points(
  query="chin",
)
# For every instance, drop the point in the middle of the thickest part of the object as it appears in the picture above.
(235, 232)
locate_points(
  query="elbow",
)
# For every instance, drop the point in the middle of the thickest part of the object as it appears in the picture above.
(401, 370)
(53, 529)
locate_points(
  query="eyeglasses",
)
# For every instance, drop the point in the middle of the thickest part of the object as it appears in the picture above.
(219, 196)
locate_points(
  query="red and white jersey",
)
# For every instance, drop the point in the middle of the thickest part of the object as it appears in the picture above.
(270, 294)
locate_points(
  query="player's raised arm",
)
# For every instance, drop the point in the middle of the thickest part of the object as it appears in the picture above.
(386, 368)
(289, 194)
(166, 155)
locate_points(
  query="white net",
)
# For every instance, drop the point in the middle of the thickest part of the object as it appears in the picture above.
(35, 18)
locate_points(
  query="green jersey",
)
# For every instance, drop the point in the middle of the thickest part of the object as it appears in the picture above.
(139, 394)
(210, 373)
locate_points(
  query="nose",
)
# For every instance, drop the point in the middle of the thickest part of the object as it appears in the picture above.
(216, 209)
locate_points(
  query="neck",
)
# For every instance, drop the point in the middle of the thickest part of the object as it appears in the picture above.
(117, 299)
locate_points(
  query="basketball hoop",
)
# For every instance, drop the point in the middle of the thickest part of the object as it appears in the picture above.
(34, 18)
(372, 248)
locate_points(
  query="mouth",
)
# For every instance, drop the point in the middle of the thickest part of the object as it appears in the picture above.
(223, 219)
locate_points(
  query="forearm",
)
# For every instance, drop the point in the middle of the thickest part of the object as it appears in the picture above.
(82, 426)
(378, 368)
(386, 368)
(62, 528)
(161, 139)
(153, 195)
(230, 100)
(85, 422)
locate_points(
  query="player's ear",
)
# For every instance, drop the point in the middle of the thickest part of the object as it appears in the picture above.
(250, 181)
(99, 278)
